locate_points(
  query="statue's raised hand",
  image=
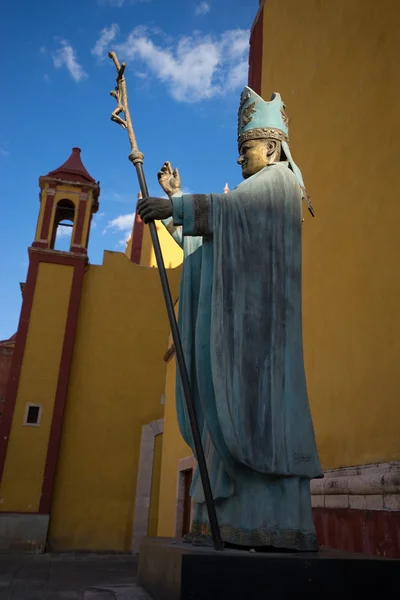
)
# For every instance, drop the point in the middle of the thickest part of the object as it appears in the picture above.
(169, 179)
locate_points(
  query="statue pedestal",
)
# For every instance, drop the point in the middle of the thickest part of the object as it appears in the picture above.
(170, 570)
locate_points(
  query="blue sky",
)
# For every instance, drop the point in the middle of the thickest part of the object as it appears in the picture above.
(186, 65)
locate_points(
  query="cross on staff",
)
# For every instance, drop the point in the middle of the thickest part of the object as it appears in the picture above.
(136, 157)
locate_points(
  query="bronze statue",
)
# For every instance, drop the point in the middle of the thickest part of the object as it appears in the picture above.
(241, 329)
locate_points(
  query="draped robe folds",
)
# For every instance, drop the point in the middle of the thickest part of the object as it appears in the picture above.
(241, 328)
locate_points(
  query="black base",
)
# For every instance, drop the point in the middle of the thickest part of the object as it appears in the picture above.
(170, 570)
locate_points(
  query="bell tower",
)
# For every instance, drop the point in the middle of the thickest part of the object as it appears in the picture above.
(69, 194)
(38, 382)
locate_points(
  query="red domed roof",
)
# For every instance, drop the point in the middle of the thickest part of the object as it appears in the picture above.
(73, 169)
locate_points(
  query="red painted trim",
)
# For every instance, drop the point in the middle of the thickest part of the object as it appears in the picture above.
(40, 244)
(137, 240)
(79, 223)
(260, 7)
(44, 232)
(62, 387)
(255, 54)
(367, 531)
(56, 257)
(18, 355)
(86, 242)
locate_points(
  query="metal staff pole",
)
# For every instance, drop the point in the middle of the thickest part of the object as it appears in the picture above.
(136, 157)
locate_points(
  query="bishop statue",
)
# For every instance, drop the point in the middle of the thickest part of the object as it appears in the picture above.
(240, 321)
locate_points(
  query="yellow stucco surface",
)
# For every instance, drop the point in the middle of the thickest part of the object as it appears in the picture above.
(174, 448)
(26, 454)
(172, 253)
(336, 67)
(116, 384)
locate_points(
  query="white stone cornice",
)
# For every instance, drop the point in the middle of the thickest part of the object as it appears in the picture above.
(366, 487)
(56, 180)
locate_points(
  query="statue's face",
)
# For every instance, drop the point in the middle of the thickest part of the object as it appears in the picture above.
(253, 157)
(257, 154)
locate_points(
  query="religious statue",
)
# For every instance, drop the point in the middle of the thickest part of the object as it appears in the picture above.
(240, 322)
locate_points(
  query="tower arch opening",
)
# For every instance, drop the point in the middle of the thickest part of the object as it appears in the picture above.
(63, 225)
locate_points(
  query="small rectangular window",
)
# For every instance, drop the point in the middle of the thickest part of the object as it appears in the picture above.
(33, 413)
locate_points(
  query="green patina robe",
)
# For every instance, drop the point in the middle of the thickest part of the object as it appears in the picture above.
(241, 328)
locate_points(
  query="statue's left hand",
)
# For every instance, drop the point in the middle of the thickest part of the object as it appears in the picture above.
(151, 209)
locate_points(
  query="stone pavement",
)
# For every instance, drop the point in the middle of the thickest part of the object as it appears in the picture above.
(69, 577)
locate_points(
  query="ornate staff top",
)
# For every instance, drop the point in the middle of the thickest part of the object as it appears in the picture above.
(121, 95)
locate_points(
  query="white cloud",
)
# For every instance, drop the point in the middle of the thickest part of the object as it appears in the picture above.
(63, 232)
(46, 78)
(65, 57)
(107, 35)
(202, 9)
(235, 43)
(238, 75)
(63, 238)
(3, 152)
(122, 223)
(194, 68)
(123, 241)
(43, 50)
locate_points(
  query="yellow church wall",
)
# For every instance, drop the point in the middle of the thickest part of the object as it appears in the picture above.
(128, 247)
(116, 384)
(172, 253)
(334, 64)
(147, 247)
(21, 483)
(336, 67)
(174, 448)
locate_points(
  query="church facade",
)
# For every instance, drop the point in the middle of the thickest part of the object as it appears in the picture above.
(91, 457)
(82, 381)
